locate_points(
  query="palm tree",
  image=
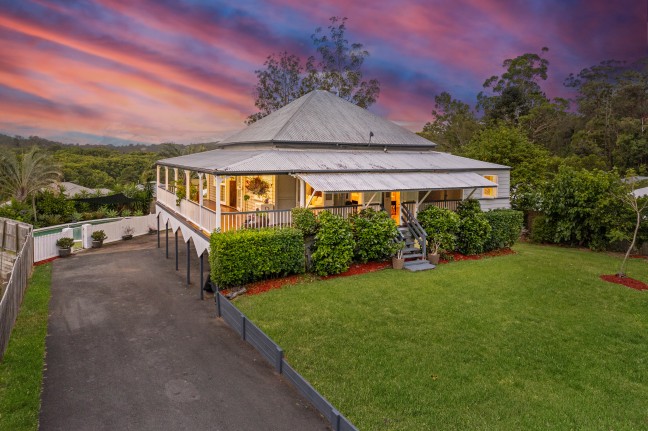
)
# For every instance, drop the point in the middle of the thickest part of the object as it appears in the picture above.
(22, 177)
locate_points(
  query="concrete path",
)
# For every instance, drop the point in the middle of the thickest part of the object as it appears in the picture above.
(130, 347)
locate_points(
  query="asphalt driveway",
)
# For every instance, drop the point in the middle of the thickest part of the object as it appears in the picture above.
(130, 347)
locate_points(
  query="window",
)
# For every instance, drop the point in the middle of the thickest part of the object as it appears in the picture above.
(490, 192)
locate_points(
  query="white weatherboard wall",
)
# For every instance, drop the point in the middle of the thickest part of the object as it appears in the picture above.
(45, 246)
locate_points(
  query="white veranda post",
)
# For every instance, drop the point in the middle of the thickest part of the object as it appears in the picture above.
(175, 177)
(200, 195)
(219, 181)
(166, 178)
(187, 185)
(157, 176)
(302, 193)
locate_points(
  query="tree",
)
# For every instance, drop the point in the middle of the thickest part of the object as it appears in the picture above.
(506, 145)
(280, 82)
(639, 205)
(517, 91)
(612, 98)
(341, 65)
(453, 125)
(285, 77)
(22, 177)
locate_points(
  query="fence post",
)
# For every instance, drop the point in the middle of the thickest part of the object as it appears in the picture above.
(218, 303)
(86, 235)
(280, 355)
(336, 419)
(243, 319)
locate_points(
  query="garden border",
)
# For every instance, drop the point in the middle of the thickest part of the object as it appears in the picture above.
(274, 355)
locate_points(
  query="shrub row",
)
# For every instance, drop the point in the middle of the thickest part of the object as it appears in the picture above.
(249, 255)
(367, 235)
(470, 230)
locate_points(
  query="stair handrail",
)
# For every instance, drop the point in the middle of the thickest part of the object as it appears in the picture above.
(415, 228)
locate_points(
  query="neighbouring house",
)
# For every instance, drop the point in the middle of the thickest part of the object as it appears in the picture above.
(321, 152)
(71, 190)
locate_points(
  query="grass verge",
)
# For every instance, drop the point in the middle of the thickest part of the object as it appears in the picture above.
(21, 370)
(533, 340)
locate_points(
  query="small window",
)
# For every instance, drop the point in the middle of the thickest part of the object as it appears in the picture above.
(490, 192)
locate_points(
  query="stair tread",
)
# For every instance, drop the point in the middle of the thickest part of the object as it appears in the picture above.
(419, 265)
(412, 255)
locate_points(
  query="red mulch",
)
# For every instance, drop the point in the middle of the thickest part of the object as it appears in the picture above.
(625, 281)
(43, 262)
(361, 268)
(354, 269)
(458, 256)
(265, 285)
(277, 283)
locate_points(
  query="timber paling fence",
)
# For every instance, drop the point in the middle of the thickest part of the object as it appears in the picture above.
(274, 355)
(17, 245)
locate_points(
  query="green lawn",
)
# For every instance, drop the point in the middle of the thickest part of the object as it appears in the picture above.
(533, 340)
(21, 370)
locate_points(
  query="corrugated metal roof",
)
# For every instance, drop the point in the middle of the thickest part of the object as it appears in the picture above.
(377, 182)
(324, 118)
(641, 192)
(293, 161)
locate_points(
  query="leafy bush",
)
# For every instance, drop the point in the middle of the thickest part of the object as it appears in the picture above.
(581, 207)
(248, 255)
(473, 228)
(305, 221)
(374, 233)
(506, 226)
(98, 235)
(468, 207)
(441, 225)
(65, 242)
(334, 245)
(126, 213)
(541, 231)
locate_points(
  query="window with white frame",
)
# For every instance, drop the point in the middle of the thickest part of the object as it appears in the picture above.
(490, 192)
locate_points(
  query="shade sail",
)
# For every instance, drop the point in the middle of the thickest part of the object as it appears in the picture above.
(383, 182)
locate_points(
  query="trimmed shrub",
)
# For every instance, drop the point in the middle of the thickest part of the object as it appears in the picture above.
(473, 228)
(506, 227)
(374, 233)
(441, 225)
(248, 255)
(334, 245)
(541, 231)
(304, 220)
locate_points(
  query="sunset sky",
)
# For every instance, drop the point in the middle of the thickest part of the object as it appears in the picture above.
(105, 71)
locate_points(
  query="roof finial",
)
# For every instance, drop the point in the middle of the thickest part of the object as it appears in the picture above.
(370, 136)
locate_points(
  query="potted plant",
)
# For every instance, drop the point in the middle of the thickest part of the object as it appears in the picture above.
(128, 233)
(441, 226)
(397, 261)
(65, 246)
(98, 238)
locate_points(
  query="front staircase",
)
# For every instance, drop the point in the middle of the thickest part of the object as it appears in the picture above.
(414, 237)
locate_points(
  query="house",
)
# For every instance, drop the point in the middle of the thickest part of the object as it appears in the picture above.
(71, 190)
(321, 152)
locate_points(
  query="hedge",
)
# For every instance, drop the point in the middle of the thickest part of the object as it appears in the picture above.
(441, 226)
(374, 233)
(506, 226)
(334, 245)
(249, 255)
(474, 228)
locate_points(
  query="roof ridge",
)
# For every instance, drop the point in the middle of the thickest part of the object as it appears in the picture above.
(307, 97)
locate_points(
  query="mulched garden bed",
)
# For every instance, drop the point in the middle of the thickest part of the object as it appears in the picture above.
(354, 269)
(625, 281)
(459, 257)
(43, 262)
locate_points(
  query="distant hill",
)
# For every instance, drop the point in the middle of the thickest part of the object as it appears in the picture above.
(18, 142)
